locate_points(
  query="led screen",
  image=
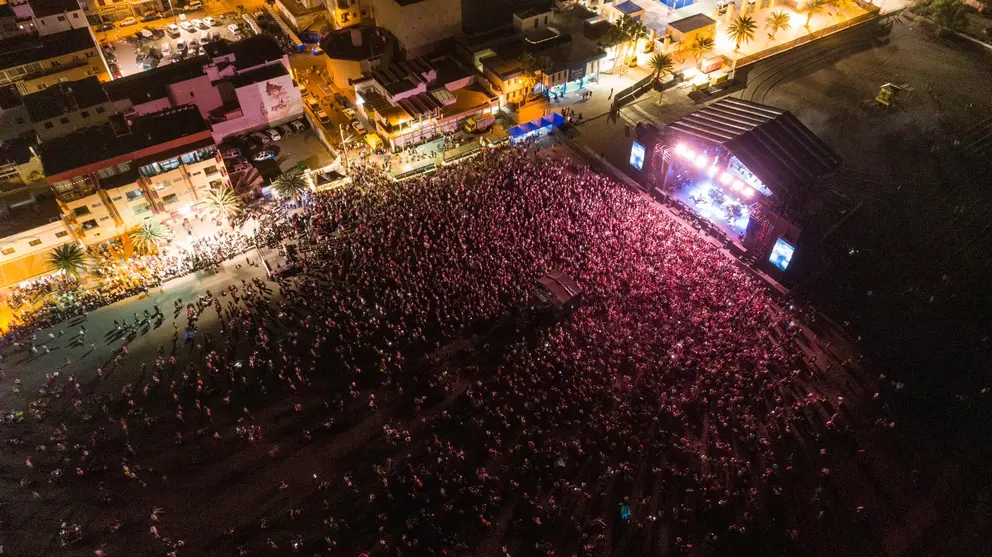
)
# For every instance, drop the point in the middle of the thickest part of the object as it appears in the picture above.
(781, 254)
(637, 156)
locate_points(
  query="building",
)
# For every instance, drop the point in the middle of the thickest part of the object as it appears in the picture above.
(301, 14)
(14, 119)
(20, 169)
(345, 13)
(36, 61)
(615, 12)
(419, 25)
(111, 177)
(414, 101)
(356, 51)
(116, 10)
(29, 231)
(237, 87)
(47, 17)
(532, 18)
(683, 32)
(66, 107)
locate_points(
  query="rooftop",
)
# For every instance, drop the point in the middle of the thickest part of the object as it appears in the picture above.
(99, 143)
(24, 218)
(402, 76)
(449, 70)
(257, 75)
(296, 7)
(255, 51)
(16, 150)
(692, 23)
(532, 11)
(340, 44)
(65, 97)
(9, 97)
(43, 8)
(628, 8)
(153, 84)
(21, 50)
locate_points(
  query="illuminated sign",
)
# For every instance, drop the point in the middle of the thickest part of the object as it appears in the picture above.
(637, 156)
(781, 254)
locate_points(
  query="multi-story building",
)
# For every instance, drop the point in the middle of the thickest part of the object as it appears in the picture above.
(301, 14)
(414, 101)
(21, 173)
(355, 51)
(66, 107)
(116, 10)
(420, 25)
(35, 61)
(237, 87)
(345, 13)
(29, 230)
(111, 177)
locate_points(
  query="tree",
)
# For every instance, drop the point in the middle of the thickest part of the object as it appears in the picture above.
(68, 258)
(661, 65)
(633, 30)
(700, 47)
(742, 30)
(531, 68)
(950, 15)
(812, 8)
(224, 203)
(149, 236)
(777, 21)
(291, 185)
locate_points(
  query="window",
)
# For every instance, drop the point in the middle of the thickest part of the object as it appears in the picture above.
(118, 198)
(96, 205)
(210, 170)
(61, 18)
(8, 251)
(99, 110)
(90, 225)
(84, 114)
(164, 184)
(49, 125)
(81, 211)
(134, 194)
(536, 23)
(61, 234)
(216, 184)
(64, 120)
(104, 218)
(34, 243)
(141, 209)
(170, 199)
(75, 16)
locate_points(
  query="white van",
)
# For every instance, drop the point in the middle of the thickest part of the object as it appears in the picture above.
(234, 29)
(166, 50)
(204, 37)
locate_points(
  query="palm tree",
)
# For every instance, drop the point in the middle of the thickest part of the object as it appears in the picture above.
(812, 8)
(68, 258)
(290, 184)
(741, 30)
(149, 236)
(777, 21)
(634, 31)
(531, 68)
(223, 202)
(949, 15)
(700, 47)
(661, 65)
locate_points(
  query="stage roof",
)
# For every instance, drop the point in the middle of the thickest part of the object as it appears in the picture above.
(782, 152)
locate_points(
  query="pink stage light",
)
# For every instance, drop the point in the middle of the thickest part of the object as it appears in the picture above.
(748, 191)
(726, 178)
(680, 149)
(711, 171)
(701, 161)
(738, 185)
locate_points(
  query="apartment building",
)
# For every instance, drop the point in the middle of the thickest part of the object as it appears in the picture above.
(110, 177)
(67, 107)
(35, 61)
(47, 17)
(356, 51)
(28, 233)
(345, 13)
(419, 25)
(237, 87)
(416, 100)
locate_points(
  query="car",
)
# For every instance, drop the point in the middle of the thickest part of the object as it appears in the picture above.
(201, 24)
(312, 103)
(349, 113)
(239, 164)
(173, 30)
(264, 155)
(232, 153)
(261, 138)
(194, 6)
(274, 134)
(181, 45)
(342, 100)
(177, 56)
(150, 63)
(285, 130)
(166, 50)
(204, 37)
(146, 35)
(321, 115)
(150, 17)
(115, 71)
(154, 53)
(299, 125)
(211, 22)
(303, 90)
(234, 29)
(358, 127)
(129, 21)
(186, 25)
(201, 51)
(195, 23)
(193, 44)
(105, 27)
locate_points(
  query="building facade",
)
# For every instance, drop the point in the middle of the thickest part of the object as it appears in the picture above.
(35, 61)
(420, 24)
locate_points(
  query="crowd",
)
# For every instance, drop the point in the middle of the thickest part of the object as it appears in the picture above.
(661, 417)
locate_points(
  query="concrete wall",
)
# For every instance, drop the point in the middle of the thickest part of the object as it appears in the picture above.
(418, 27)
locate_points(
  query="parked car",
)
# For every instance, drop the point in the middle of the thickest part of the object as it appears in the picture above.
(105, 27)
(186, 25)
(261, 138)
(201, 51)
(238, 165)
(211, 22)
(264, 155)
(303, 90)
(166, 50)
(312, 103)
(173, 30)
(204, 37)
(286, 129)
(358, 127)
(146, 35)
(177, 56)
(234, 29)
(321, 115)
(181, 45)
(194, 6)
(274, 134)
(128, 21)
(195, 23)
(722, 5)
(349, 113)
(342, 100)
(115, 71)
(150, 17)
(232, 153)
(150, 63)
(193, 44)
(299, 125)
(201, 24)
